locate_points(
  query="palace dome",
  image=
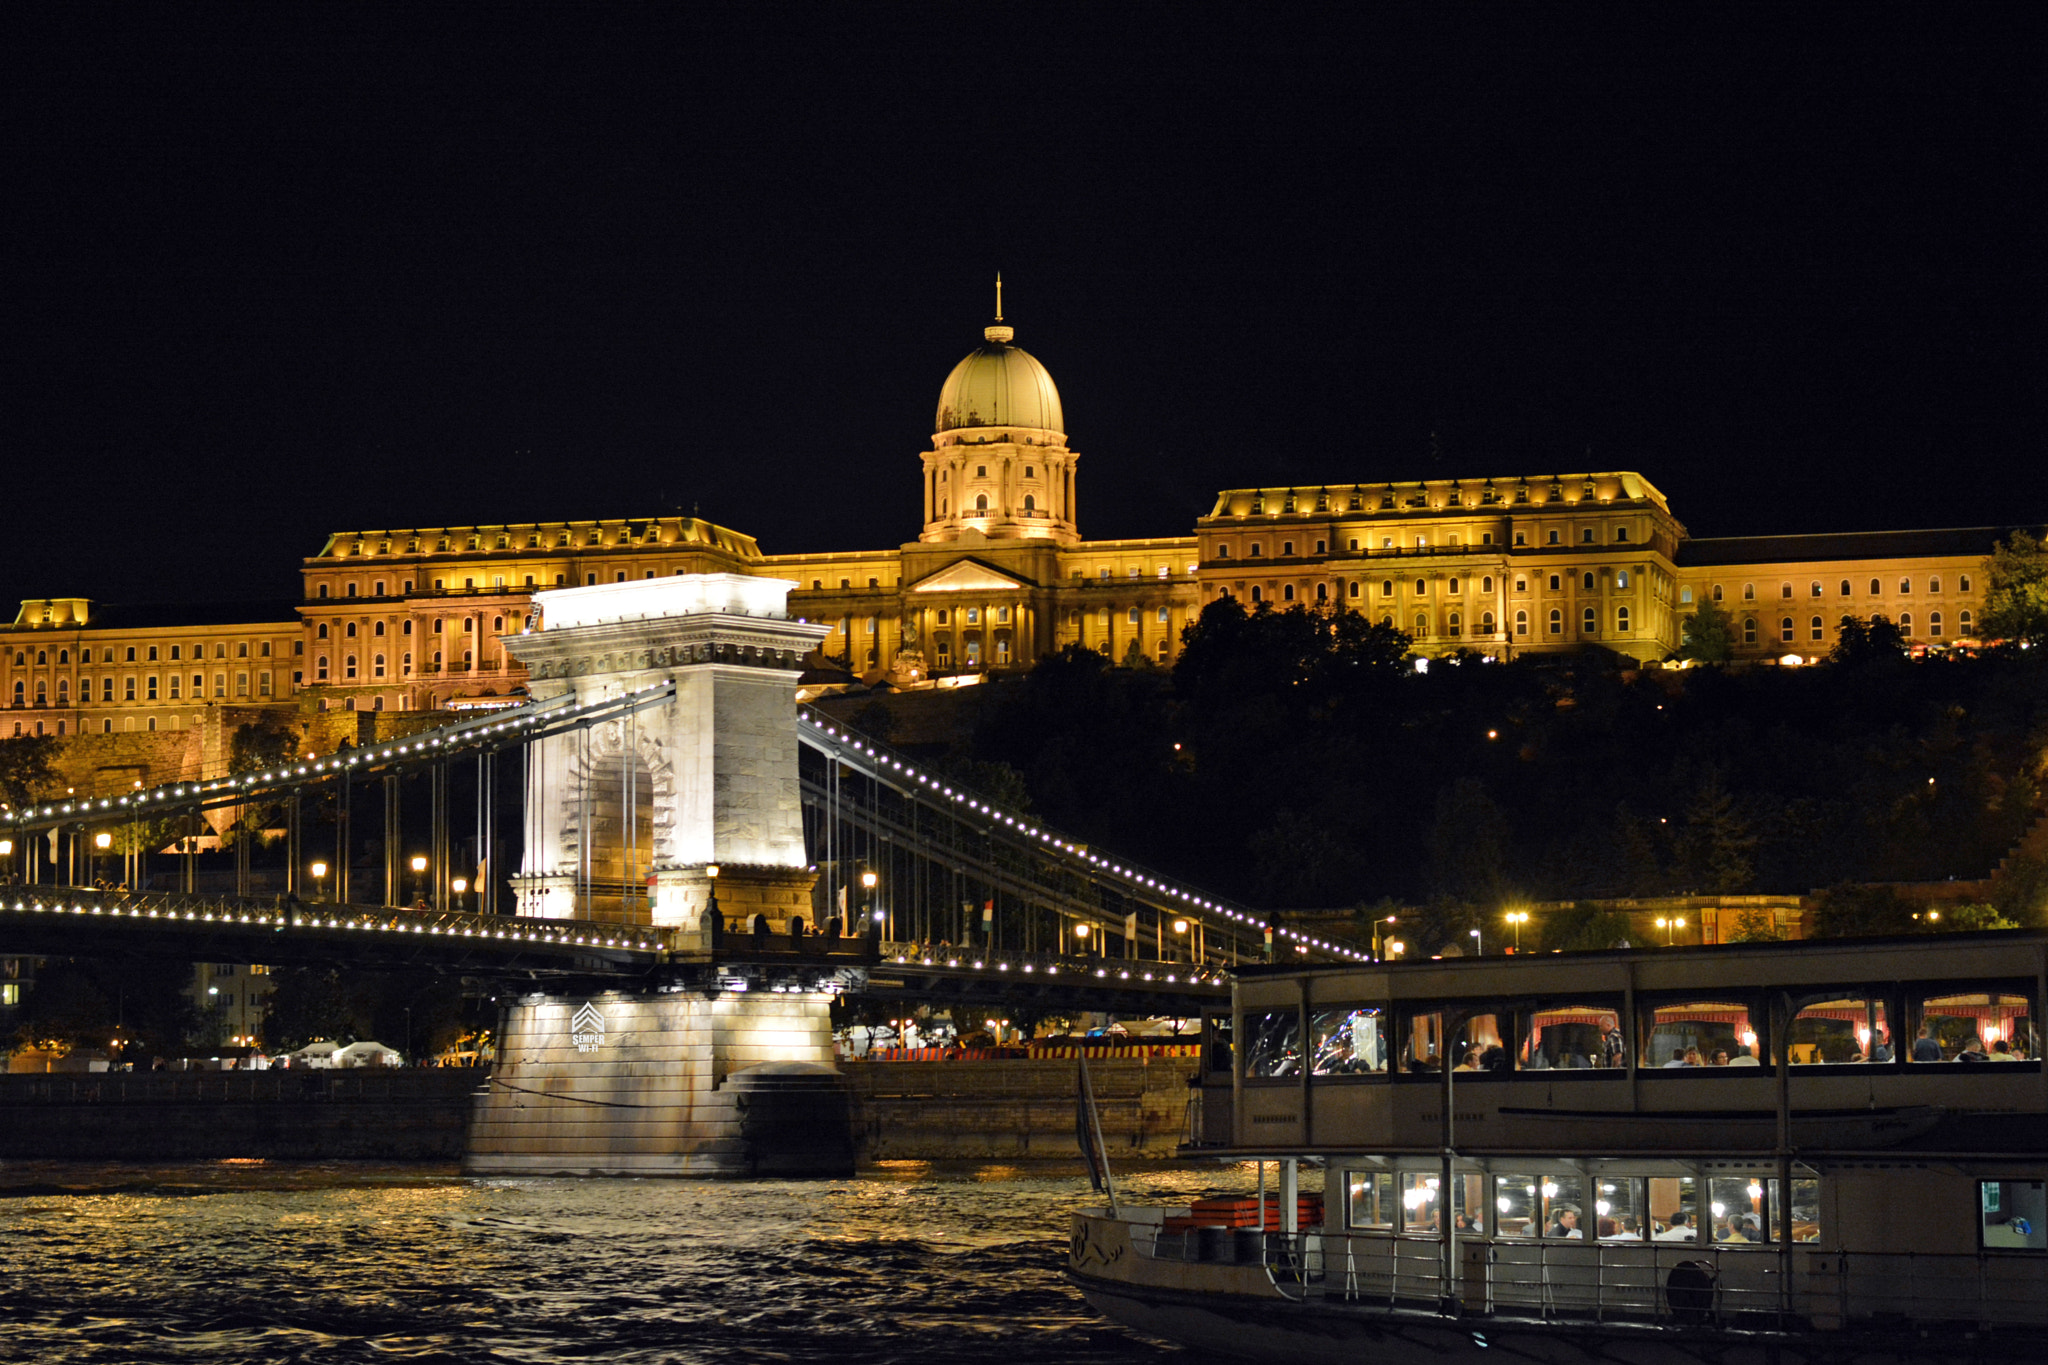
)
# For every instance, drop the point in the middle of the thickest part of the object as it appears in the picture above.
(999, 385)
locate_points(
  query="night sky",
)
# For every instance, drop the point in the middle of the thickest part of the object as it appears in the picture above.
(277, 271)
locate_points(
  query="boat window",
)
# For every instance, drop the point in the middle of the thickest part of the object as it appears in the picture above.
(1216, 1035)
(1564, 1207)
(2015, 1214)
(1805, 1205)
(1272, 1044)
(1736, 1204)
(1572, 1037)
(1480, 1042)
(1365, 1208)
(1515, 1204)
(1975, 1026)
(1694, 1033)
(1348, 1042)
(1673, 1206)
(1618, 1209)
(1421, 1210)
(1421, 1043)
(1843, 1029)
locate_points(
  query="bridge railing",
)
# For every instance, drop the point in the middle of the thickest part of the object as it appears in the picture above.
(1119, 970)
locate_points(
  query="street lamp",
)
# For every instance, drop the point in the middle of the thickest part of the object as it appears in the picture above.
(458, 885)
(1081, 933)
(1395, 948)
(419, 872)
(1378, 933)
(1670, 926)
(319, 871)
(1180, 928)
(1478, 944)
(868, 881)
(1518, 918)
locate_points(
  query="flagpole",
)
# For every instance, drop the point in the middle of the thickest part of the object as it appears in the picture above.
(1101, 1153)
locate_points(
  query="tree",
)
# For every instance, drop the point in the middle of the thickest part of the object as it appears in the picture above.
(2016, 591)
(1298, 863)
(1853, 911)
(1866, 642)
(1756, 926)
(1583, 927)
(1468, 844)
(1707, 634)
(27, 767)
(1135, 657)
(1716, 848)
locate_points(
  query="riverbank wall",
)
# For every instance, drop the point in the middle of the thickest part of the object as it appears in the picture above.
(1012, 1109)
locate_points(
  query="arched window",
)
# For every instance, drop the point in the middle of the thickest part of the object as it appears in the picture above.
(1387, 587)
(1621, 619)
(320, 631)
(981, 502)
(1905, 587)
(1354, 588)
(1963, 583)
(1621, 578)
(1876, 587)
(1421, 587)
(377, 666)
(1934, 583)
(63, 691)
(1486, 584)
(1845, 587)
(1030, 503)
(1421, 625)
(1816, 587)
(349, 630)
(1785, 591)
(1717, 592)
(1287, 593)
(348, 666)
(1621, 533)
(42, 658)
(1387, 621)
(17, 692)
(1785, 630)
(1749, 630)
(1258, 550)
(1964, 620)
(378, 630)
(1457, 623)
(497, 625)
(1933, 624)
(469, 622)
(1322, 592)
(323, 593)
(1453, 587)
(1255, 592)
(64, 656)
(1817, 628)
(319, 673)
(1589, 622)
(1905, 623)
(1556, 621)
(1585, 582)
(1749, 592)
(1521, 623)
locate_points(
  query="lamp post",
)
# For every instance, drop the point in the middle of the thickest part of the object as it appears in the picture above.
(457, 886)
(1180, 929)
(1518, 918)
(868, 881)
(101, 842)
(7, 852)
(1379, 933)
(419, 873)
(1478, 944)
(319, 871)
(1670, 926)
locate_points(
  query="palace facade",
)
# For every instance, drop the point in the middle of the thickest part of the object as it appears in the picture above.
(417, 619)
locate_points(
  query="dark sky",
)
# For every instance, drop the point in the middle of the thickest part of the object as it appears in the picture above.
(280, 270)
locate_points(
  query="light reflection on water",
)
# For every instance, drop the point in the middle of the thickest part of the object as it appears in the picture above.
(239, 1264)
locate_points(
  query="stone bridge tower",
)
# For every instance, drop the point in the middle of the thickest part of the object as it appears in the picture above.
(626, 819)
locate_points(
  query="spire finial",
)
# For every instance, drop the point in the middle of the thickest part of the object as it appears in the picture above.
(999, 296)
(1000, 333)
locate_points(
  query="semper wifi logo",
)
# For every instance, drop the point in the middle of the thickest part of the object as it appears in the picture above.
(586, 1028)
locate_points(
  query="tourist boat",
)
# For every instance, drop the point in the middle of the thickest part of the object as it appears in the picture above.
(1794, 1152)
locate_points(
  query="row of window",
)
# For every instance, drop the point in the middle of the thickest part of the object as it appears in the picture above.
(469, 625)
(22, 728)
(1843, 590)
(1452, 540)
(1738, 1210)
(150, 653)
(1988, 1023)
(350, 667)
(1817, 628)
(1388, 500)
(648, 534)
(469, 584)
(150, 686)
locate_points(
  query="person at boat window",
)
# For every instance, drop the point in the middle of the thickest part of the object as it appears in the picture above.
(1744, 1059)
(1681, 1229)
(1720, 1059)
(1925, 1049)
(1691, 1057)
(1973, 1050)
(1565, 1223)
(1470, 1063)
(2001, 1051)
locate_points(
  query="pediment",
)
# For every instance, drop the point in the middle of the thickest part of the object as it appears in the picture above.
(967, 575)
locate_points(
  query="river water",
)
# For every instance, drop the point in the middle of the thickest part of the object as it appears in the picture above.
(235, 1263)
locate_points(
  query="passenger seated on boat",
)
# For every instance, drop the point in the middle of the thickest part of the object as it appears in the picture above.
(1431, 1064)
(1744, 1059)
(1565, 1223)
(2001, 1051)
(1681, 1229)
(1973, 1050)
(1720, 1058)
(1691, 1057)
(1470, 1062)
(1495, 1058)
(1925, 1049)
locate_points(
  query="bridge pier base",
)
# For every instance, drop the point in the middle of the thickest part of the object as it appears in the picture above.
(676, 1082)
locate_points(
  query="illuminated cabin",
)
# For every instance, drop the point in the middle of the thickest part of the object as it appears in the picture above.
(1815, 1142)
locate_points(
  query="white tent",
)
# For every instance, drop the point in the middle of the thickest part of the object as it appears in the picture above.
(367, 1053)
(316, 1055)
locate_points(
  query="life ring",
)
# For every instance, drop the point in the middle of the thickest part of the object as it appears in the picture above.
(1689, 1292)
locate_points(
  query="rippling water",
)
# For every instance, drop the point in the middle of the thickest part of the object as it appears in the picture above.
(236, 1262)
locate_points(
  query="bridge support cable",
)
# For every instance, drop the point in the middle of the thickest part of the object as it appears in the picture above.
(1017, 857)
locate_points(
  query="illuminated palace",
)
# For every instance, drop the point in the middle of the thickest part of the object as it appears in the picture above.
(416, 619)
